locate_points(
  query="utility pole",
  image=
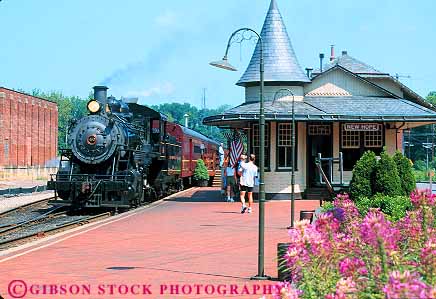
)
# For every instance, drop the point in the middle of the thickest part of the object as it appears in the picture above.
(203, 100)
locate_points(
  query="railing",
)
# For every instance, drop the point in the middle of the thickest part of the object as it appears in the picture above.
(65, 177)
(330, 179)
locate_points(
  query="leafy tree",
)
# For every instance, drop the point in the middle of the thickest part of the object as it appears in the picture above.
(361, 184)
(387, 180)
(407, 179)
(431, 97)
(69, 108)
(418, 152)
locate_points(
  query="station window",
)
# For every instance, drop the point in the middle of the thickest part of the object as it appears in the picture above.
(319, 130)
(284, 146)
(255, 144)
(355, 143)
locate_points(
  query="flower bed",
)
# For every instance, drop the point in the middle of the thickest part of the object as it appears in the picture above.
(346, 255)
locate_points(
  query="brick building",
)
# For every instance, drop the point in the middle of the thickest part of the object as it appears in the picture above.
(28, 129)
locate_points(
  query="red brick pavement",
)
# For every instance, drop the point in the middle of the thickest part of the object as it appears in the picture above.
(185, 241)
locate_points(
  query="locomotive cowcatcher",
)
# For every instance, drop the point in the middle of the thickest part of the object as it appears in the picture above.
(123, 154)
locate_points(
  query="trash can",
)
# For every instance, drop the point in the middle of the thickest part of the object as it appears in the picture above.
(307, 215)
(283, 272)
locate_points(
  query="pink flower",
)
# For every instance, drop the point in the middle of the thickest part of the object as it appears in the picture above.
(327, 223)
(422, 198)
(375, 229)
(351, 267)
(428, 257)
(406, 285)
(284, 290)
(345, 289)
(344, 202)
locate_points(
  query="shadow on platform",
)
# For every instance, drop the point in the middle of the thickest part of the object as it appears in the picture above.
(123, 268)
(211, 195)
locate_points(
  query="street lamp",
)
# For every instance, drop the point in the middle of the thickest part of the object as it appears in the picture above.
(289, 92)
(224, 64)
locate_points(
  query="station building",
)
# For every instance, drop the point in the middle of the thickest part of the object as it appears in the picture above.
(28, 129)
(341, 110)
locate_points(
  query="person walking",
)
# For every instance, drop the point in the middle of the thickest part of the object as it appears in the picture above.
(230, 179)
(249, 172)
(221, 154)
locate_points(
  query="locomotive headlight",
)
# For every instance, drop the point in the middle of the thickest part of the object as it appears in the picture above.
(93, 106)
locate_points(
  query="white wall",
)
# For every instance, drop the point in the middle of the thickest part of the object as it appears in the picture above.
(340, 83)
(252, 93)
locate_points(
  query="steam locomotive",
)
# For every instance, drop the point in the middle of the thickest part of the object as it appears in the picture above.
(123, 154)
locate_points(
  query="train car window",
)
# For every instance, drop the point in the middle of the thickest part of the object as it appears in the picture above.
(197, 149)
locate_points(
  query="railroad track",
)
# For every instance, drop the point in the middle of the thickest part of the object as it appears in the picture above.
(40, 233)
(12, 227)
(22, 208)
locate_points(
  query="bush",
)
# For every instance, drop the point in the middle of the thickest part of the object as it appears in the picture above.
(407, 179)
(200, 171)
(395, 207)
(387, 180)
(363, 173)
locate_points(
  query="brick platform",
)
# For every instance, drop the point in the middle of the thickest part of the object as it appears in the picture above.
(189, 240)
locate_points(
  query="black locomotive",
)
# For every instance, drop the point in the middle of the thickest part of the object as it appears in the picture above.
(122, 155)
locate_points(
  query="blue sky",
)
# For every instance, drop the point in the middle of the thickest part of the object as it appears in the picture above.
(160, 50)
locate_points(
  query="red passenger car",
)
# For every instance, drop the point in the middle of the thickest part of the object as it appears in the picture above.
(194, 146)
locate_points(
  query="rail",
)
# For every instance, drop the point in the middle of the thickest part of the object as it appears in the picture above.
(52, 230)
(323, 179)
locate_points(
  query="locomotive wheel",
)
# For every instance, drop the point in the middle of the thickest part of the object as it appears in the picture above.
(150, 194)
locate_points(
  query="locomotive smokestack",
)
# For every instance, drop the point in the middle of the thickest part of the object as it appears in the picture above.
(100, 94)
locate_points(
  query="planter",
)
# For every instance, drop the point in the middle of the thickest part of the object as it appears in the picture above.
(202, 183)
(307, 215)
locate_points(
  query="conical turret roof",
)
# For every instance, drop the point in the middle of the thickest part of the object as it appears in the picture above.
(281, 64)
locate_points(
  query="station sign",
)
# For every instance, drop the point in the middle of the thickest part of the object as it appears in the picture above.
(362, 127)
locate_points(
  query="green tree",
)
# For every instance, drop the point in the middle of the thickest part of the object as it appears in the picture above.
(69, 109)
(387, 181)
(405, 172)
(361, 184)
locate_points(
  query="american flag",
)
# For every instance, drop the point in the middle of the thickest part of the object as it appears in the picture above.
(236, 148)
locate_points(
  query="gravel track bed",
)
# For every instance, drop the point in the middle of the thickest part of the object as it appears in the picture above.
(50, 223)
(25, 214)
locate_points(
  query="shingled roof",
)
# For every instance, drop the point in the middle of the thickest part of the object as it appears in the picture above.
(352, 108)
(353, 65)
(281, 64)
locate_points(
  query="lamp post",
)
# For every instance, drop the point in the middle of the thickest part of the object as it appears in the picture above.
(224, 64)
(289, 92)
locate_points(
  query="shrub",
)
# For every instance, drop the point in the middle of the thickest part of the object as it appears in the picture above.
(395, 207)
(405, 172)
(200, 171)
(387, 180)
(363, 173)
